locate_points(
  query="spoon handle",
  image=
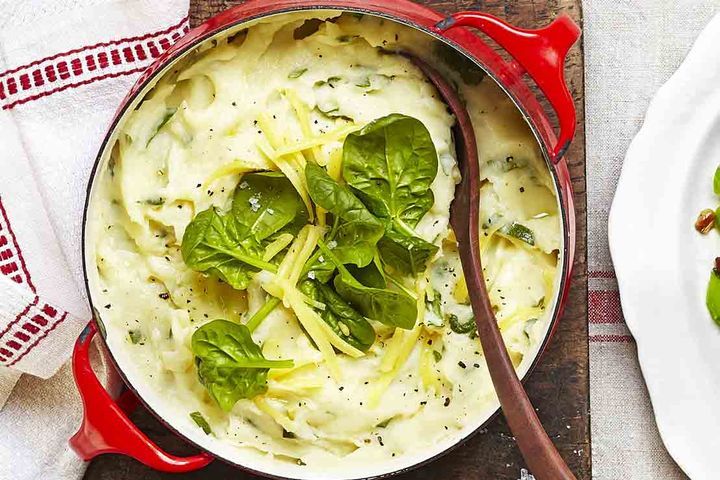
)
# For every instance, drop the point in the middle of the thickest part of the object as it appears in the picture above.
(537, 449)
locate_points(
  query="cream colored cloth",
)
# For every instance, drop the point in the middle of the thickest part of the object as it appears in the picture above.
(631, 49)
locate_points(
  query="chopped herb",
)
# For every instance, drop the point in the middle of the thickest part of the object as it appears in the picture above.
(521, 232)
(201, 422)
(458, 326)
(437, 355)
(384, 423)
(135, 336)
(297, 73)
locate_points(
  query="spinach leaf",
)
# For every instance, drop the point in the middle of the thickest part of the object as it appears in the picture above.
(407, 253)
(391, 163)
(371, 275)
(229, 363)
(230, 245)
(220, 245)
(712, 297)
(391, 307)
(347, 323)
(357, 231)
(267, 203)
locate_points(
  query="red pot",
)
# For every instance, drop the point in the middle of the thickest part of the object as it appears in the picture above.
(539, 54)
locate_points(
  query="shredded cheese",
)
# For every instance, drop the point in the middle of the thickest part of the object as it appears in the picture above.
(293, 170)
(406, 348)
(316, 141)
(303, 115)
(428, 374)
(233, 168)
(277, 246)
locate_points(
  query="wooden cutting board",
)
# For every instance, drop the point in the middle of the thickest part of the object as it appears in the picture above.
(559, 386)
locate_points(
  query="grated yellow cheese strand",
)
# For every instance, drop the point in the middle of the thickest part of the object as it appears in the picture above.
(311, 322)
(287, 263)
(278, 374)
(313, 235)
(279, 418)
(335, 135)
(386, 379)
(303, 115)
(393, 350)
(232, 168)
(337, 341)
(334, 168)
(427, 372)
(278, 286)
(294, 171)
(284, 392)
(315, 154)
(277, 246)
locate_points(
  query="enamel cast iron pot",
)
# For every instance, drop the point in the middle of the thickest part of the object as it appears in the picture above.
(535, 54)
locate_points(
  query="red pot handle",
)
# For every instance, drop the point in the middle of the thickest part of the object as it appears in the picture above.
(541, 53)
(106, 428)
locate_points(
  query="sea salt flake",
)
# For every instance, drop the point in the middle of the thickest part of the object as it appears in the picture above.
(254, 204)
(243, 185)
(271, 211)
(332, 244)
(311, 275)
(321, 259)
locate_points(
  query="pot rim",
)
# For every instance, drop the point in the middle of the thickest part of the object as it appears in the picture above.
(558, 172)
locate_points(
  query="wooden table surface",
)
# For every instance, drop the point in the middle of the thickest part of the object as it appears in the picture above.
(559, 386)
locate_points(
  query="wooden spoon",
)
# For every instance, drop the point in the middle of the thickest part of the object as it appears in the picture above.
(537, 449)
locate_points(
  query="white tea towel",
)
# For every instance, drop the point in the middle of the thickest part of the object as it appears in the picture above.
(65, 65)
(631, 48)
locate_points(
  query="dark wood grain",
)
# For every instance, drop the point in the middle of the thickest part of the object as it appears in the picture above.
(559, 386)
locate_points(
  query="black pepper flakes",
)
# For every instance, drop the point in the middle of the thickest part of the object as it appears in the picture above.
(462, 364)
(446, 402)
(164, 295)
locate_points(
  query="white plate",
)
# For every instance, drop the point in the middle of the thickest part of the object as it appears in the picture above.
(663, 264)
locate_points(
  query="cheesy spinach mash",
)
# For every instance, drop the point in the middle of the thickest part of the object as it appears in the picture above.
(272, 251)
